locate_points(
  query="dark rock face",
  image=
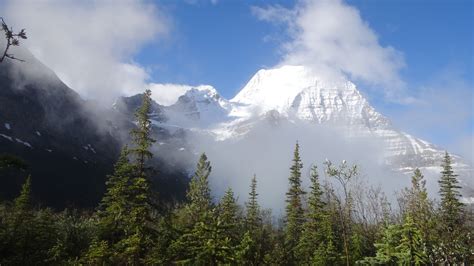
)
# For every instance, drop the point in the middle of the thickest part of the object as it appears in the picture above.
(46, 124)
(69, 148)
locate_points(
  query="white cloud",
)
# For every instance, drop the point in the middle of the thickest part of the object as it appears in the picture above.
(90, 44)
(167, 94)
(331, 37)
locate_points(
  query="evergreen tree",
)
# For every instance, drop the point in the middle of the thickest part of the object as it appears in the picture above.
(253, 226)
(387, 247)
(294, 208)
(75, 233)
(312, 235)
(411, 250)
(28, 235)
(141, 136)
(252, 218)
(23, 201)
(203, 241)
(125, 218)
(317, 232)
(20, 241)
(228, 216)
(199, 194)
(452, 232)
(114, 206)
(420, 209)
(139, 230)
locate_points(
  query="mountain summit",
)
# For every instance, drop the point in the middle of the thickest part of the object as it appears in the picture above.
(298, 95)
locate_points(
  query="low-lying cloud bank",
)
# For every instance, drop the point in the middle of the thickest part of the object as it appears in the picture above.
(267, 151)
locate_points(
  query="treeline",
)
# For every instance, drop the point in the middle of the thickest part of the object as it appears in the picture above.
(337, 222)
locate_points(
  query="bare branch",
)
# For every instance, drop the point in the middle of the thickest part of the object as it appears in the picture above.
(13, 39)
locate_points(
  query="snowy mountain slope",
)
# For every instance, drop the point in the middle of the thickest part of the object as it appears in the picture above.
(296, 94)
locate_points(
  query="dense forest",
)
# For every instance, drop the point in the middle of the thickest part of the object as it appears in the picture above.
(340, 222)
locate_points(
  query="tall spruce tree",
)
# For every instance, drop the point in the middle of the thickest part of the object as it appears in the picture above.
(126, 208)
(229, 217)
(294, 208)
(252, 218)
(114, 206)
(23, 201)
(386, 247)
(452, 231)
(199, 194)
(139, 228)
(420, 209)
(316, 245)
(201, 239)
(253, 226)
(411, 249)
(141, 135)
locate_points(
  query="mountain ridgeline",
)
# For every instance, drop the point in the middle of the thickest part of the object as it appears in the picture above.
(69, 145)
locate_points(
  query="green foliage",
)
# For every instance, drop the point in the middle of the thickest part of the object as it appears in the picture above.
(317, 232)
(141, 136)
(199, 194)
(203, 240)
(452, 231)
(387, 251)
(75, 231)
(229, 217)
(294, 209)
(127, 229)
(411, 250)
(253, 220)
(125, 215)
(26, 235)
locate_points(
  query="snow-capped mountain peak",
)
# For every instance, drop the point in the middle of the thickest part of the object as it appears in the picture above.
(201, 106)
(296, 91)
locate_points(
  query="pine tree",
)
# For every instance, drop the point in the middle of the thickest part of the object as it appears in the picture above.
(387, 251)
(294, 208)
(114, 206)
(451, 207)
(21, 227)
(420, 210)
(125, 218)
(199, 193)
(451, 231)
(252, 218)
(317, 231)
(27, 234)
(23, 201)
(228, 216)
(138, 240)
(411, 250)
(201, 237)
(253, 227)
(141, 136)
(311, 236)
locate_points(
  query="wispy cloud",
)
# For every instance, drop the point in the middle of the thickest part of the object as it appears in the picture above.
(90, 44)
(331, 37)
